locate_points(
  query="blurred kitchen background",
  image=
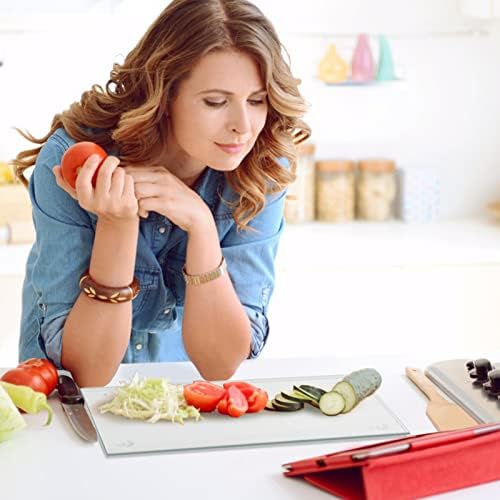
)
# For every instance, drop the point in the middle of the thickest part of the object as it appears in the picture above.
(393, 231)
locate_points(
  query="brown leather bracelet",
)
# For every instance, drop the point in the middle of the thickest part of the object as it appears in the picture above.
(114, 295)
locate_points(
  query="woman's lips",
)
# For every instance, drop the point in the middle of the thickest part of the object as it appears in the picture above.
(230, 148)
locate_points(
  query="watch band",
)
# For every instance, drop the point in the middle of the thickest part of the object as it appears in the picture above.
(199, 279)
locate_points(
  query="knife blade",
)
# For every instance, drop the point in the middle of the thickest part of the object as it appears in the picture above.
(73, 405)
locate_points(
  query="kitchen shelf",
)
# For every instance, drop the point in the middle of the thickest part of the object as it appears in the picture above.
(373, 83)
(480, 31)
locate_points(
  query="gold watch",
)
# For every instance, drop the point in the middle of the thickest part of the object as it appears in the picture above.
(199, 279)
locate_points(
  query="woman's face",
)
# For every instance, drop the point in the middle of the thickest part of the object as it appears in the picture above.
(218, 112)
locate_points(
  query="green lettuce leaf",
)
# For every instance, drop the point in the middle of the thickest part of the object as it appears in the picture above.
(151, 399)
(11, 420)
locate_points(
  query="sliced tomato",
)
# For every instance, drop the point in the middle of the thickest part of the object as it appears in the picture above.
(256, 398)
(203, 395)
(244, 387)
(237, 404)
(222, 405)
(259, 401)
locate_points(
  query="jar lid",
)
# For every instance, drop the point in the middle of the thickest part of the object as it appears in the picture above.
(307, 148)
(335, 165)
(377, 165)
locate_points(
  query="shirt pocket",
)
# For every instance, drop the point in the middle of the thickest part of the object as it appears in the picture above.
(148, 281)
(175, 278)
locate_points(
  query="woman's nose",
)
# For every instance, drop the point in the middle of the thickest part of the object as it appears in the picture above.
(240, 121)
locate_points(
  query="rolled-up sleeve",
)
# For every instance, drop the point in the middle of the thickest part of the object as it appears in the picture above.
(250, 257)
(64, 239)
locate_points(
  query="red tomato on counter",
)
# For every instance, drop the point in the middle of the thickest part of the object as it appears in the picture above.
(74, 158)
(203, 395)
(256, 398)
(39, 374)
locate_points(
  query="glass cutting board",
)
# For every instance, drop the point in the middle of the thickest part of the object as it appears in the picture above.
(119, 435)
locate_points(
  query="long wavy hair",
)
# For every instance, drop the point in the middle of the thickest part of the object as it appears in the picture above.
(128, 113)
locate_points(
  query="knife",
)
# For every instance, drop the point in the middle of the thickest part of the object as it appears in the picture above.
(73, 405)
(445, 415)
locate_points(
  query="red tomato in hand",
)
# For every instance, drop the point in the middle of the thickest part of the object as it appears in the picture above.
(39, 374)
(74, 158)
(203, 395)
(256, 398)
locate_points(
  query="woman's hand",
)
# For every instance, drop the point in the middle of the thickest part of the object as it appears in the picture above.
(160, 191)
(112, 199)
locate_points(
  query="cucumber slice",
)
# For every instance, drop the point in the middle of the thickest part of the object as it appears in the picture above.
(314, 403)
(300, 396)
(286, 402)
(269, 406)
(286, 407)
(332, 403)
(347, 392)
(312, 392)
(358, 385)
(292, 397)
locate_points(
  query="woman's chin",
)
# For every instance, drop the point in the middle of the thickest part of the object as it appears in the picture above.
(226, 165)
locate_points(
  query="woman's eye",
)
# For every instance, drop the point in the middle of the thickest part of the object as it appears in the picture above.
(214, 104)
(256, 102)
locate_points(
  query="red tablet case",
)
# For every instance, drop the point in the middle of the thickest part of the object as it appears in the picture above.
(412, 467)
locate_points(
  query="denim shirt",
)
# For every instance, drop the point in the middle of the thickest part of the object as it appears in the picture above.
(61, 253)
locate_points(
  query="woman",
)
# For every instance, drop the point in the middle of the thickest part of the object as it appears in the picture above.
(187, 209)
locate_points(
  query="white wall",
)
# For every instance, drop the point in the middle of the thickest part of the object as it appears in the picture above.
(444, 114)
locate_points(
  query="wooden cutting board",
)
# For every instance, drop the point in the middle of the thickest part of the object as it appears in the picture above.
(445, 415)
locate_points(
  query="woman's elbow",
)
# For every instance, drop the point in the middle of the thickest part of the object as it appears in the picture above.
(221, 372)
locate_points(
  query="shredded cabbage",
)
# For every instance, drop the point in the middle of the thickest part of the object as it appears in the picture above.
(11, 420)
(151, 399)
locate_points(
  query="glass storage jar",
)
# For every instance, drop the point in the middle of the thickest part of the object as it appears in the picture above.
(335, 190)
(376, 189)
(299, 203)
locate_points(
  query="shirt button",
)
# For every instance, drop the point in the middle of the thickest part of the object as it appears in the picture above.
(166, 311)
(162, 229)
(138, 346)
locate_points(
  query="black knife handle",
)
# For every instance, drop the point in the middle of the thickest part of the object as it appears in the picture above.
(69, 393)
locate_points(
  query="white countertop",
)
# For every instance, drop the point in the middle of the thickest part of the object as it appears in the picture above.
(392, 243)
(54, 464)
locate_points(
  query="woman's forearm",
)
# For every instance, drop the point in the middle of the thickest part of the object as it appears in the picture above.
(216, 329)
(96, 334)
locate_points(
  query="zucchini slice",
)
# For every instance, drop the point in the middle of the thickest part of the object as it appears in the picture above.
(347, 392)
(358, 385)
(286, 402)
(289, 406)
(294, 396)
(269, 406)
(300, 395)
(312, 392)
(332, 403)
